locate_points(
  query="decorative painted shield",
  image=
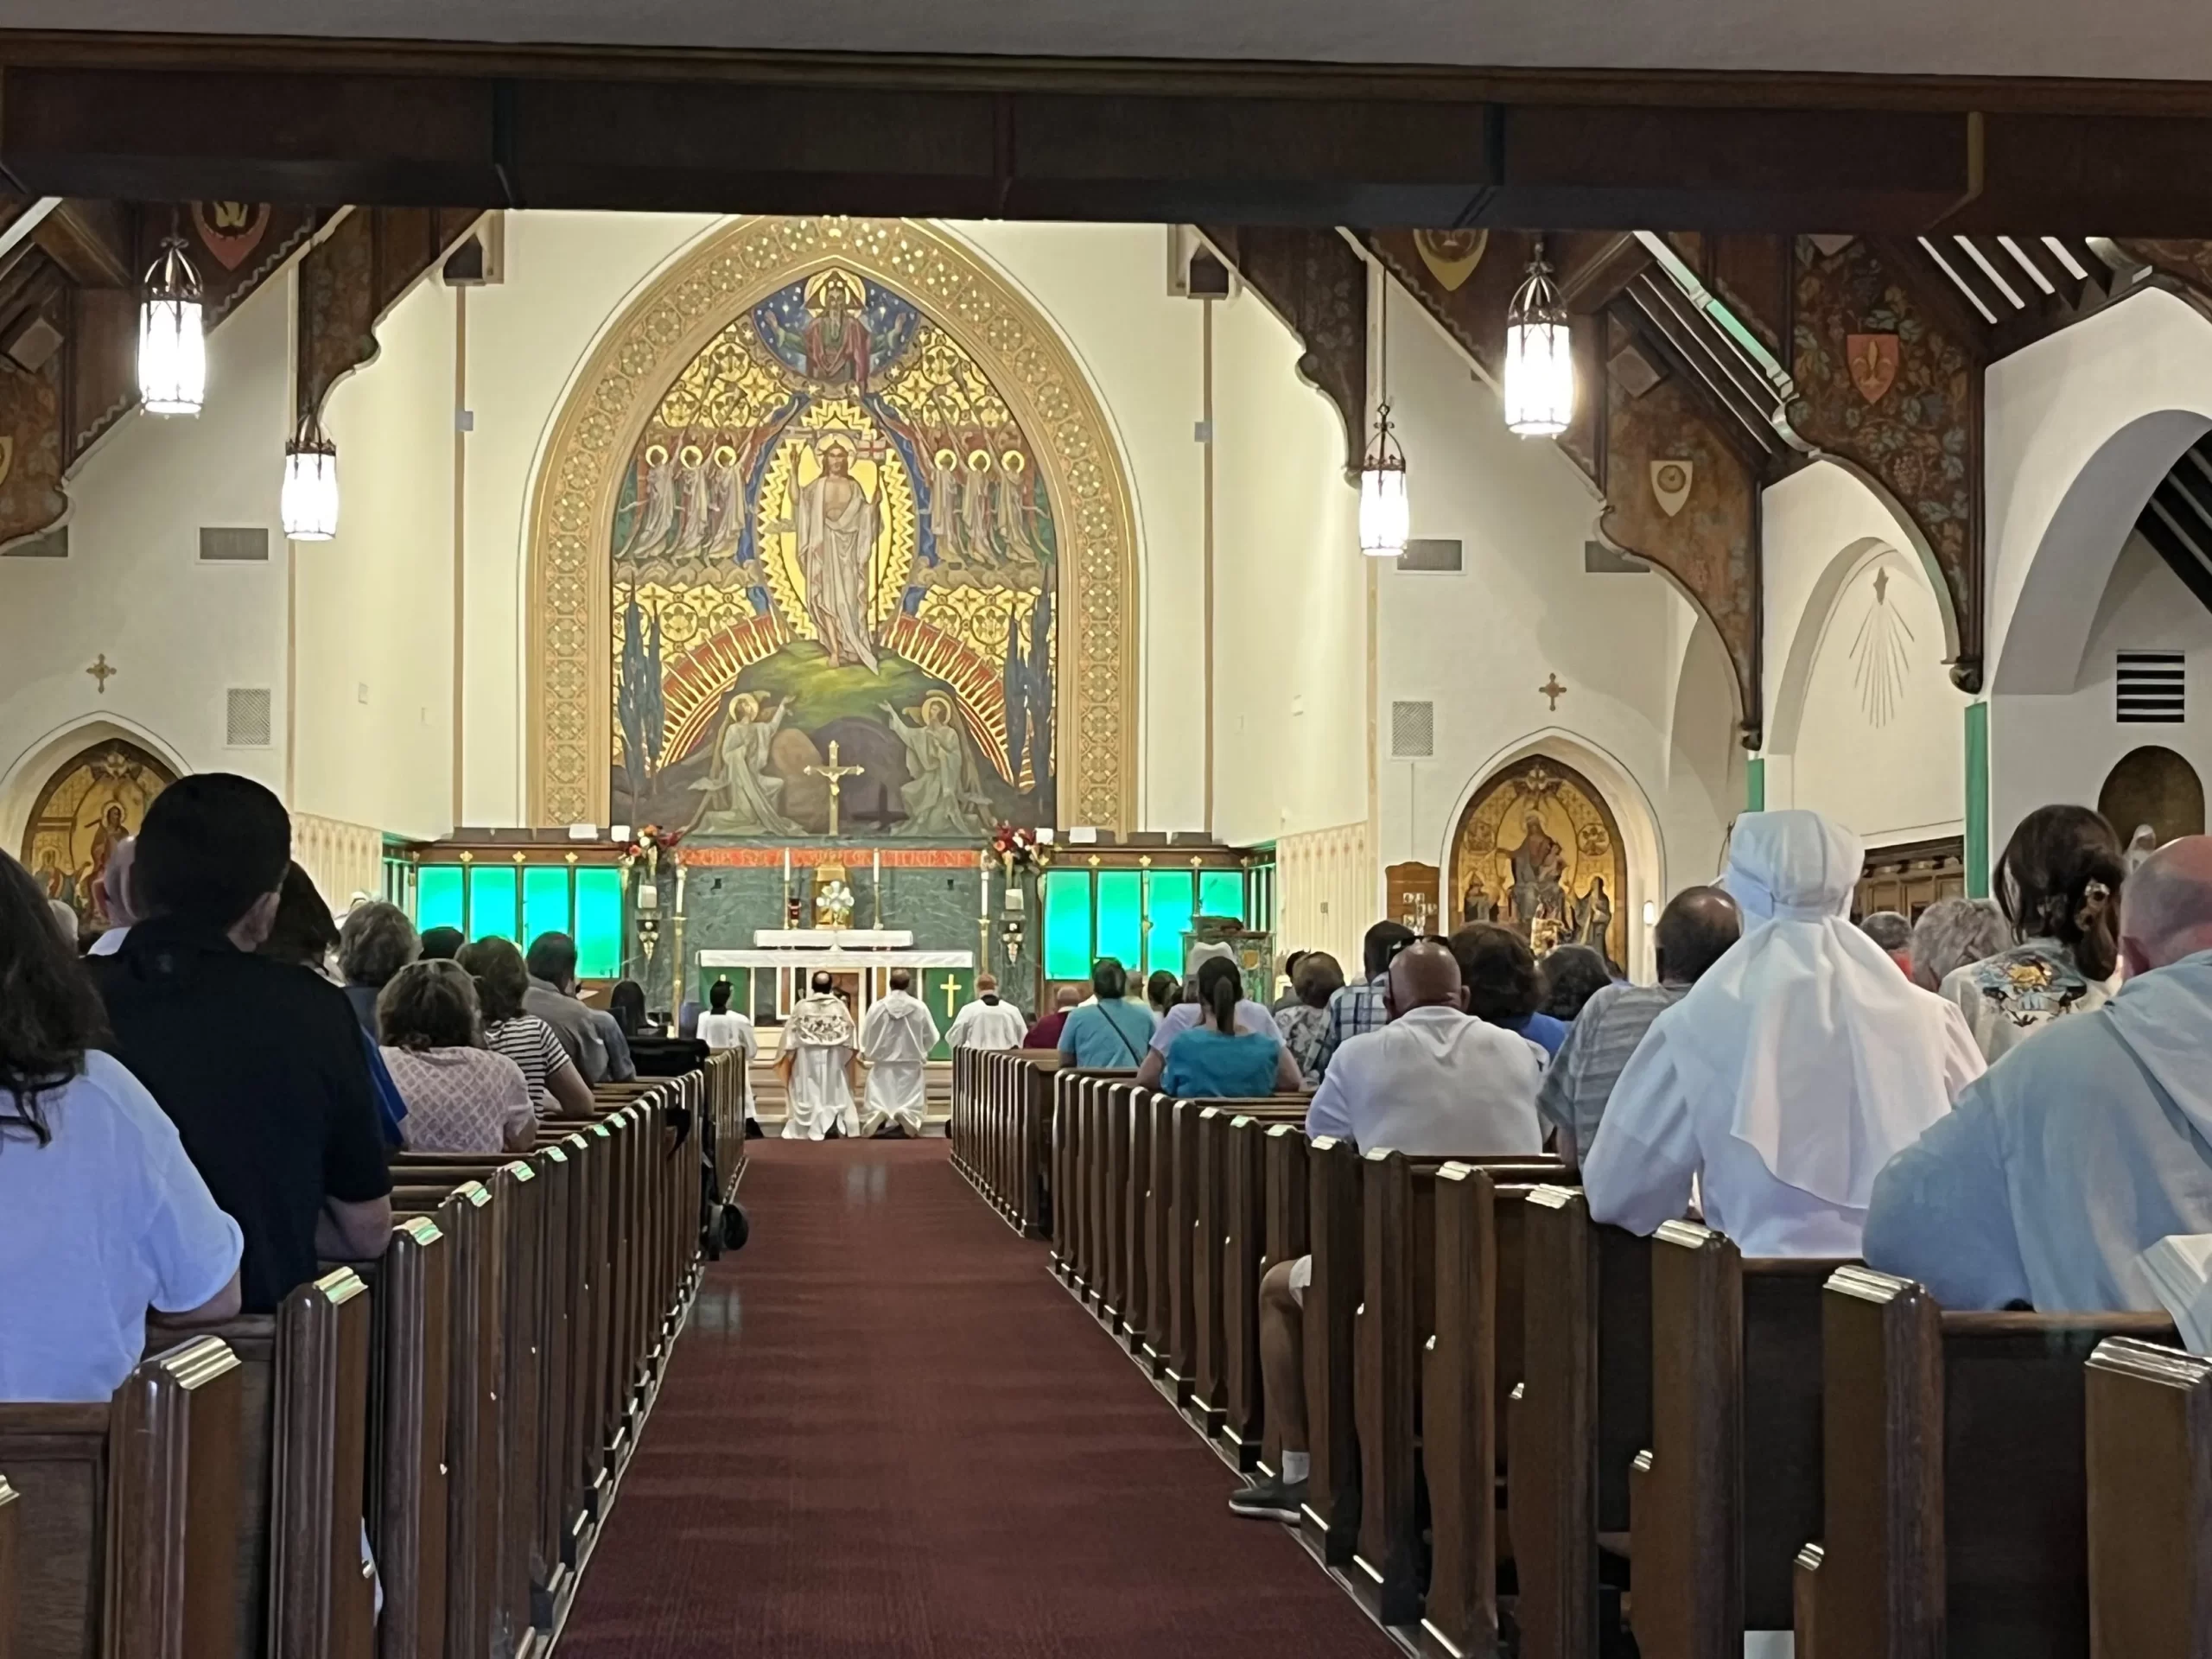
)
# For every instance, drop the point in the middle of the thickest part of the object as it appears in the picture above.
(1873, 364)
(1451, 256)
(230, 230)
(1670, 483)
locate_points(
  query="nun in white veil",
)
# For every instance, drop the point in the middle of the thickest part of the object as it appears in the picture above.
(1791, 1073)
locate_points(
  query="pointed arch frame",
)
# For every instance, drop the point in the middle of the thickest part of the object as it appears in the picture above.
(568, 582)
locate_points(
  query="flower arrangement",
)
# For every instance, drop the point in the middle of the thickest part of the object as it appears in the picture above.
(1016, 847)
(650, 841)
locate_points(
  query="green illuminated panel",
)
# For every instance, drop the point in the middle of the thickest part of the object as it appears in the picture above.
(1170, 906)
(1121, 915)
(1067, 923)
(598, 924)
(1221, 893)
(437, 896)
(491, 902)
(545, 902)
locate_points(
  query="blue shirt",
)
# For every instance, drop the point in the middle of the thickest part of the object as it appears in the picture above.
(1541, 1029)
(1203, 1064)
(1107, 1034)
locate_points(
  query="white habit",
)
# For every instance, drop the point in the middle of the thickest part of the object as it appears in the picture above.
(819, 1035)
(1791, 1073)
(733, 1030)
(897, 1035)
(989, 1023)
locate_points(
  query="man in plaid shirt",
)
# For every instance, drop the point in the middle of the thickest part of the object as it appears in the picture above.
(1358, 1008)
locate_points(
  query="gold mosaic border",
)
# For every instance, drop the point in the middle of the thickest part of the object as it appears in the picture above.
(569, 580)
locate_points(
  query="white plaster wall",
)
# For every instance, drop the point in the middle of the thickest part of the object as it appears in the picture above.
(2061, 746)
(375, 672)
(1481, 642)
(1290, 586)
(179, 632)
(568, 276)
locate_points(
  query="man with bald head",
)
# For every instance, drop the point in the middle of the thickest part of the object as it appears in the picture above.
(1695, 931)
(2078, 1151)
(1434, 1082)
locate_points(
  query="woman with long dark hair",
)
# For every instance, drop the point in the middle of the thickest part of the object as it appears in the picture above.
(1213, 1060)
(501, 982)
(102, 1216)
(2058, 884)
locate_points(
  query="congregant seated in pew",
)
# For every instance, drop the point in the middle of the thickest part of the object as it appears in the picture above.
(502, 985)
(1110, 1031)
(102, 1216)
(1250, 1017)
(1695, 931)
(1434, 1082)
(1504, 985)
(1304, 1020)
(1217, 1058)
(262, 1067)
(461, 1096)
(1791, 1073)
(2081, 1149)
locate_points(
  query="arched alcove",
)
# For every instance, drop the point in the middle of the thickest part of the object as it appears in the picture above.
(90, 800)
(718, 393)
(2153, 785)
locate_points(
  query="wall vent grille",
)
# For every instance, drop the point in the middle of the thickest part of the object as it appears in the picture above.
(1433, 553)
(233, 544)
(1413, 731)
(2151, 688)
(247, 719)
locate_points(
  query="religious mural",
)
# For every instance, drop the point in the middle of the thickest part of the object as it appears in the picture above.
(90, 804)
(834, 564)
(1537, 850)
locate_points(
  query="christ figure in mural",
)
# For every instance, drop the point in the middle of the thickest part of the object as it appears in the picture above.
(836, 524)
(836, 338)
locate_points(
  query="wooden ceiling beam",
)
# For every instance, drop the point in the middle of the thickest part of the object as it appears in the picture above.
(92, 241)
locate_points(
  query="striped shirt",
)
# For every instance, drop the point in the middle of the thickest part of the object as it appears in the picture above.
(533, 1046)
(1590, 1062)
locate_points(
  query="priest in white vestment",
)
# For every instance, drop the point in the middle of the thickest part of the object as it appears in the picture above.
(817, 1064)
(896, 1037)
(989, 1022)
(1800, 1063)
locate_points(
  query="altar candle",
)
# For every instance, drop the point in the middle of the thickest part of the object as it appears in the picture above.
(787, 876)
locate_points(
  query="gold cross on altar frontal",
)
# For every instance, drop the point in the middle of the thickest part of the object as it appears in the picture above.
(951, 989)
(836, 775)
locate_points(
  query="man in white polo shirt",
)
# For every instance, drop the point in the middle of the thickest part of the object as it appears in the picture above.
(1434, 1082)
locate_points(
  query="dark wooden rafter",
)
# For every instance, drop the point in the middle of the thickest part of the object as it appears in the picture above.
(68, 309)
(1316, 282)
(1664, 396)
(1914, 432)
(350, 280)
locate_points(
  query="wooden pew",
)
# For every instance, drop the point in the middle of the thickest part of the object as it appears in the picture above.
(412, 1368)
(1730, 1487)
(121, 1522)
(1954, 1503)
(1154, 1239)
(1135, 1235)
(1230, 1237)
(1330, 1521)
(1582, 1413)
(2149, 1444)
(1286, 1193)
(1396, 1328)
(1192, 1161)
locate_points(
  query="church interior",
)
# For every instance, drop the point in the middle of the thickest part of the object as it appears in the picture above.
(897, 506)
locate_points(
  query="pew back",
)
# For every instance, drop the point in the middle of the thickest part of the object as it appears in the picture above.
(2148, 1455)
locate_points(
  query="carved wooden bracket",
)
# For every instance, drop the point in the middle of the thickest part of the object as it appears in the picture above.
(1317, 283)
(1888, 385)
(352, 278)
(73, 284)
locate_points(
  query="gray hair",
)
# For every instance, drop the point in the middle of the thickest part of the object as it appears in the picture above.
(377, 942)
(1887, 928)
(65, 919)
(1952, 933)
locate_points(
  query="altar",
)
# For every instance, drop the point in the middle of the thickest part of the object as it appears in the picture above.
(784, 960)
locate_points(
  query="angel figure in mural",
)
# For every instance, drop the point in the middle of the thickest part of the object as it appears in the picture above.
(1539, 864)
(837, 525)
(656, 506)
(946, 796)
(741, 797)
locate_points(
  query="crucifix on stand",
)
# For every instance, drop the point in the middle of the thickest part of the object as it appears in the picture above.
(836, 775)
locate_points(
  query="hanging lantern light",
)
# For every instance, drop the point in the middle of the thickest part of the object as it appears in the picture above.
(172, 347)
(1385, 517)
(309, 502)
(1539, 356)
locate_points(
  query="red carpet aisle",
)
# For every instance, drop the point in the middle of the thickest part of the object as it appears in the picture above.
(887, 1432)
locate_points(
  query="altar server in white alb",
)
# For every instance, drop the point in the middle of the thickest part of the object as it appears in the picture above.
(897, 1034)
(722, 1028)
(987, 1022)
(819, 1066)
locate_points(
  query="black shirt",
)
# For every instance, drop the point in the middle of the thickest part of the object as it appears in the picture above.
(260, 1065)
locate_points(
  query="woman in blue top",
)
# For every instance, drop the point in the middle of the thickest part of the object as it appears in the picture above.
(1213, 1060)
(1108, 1033)
(1504, 985)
